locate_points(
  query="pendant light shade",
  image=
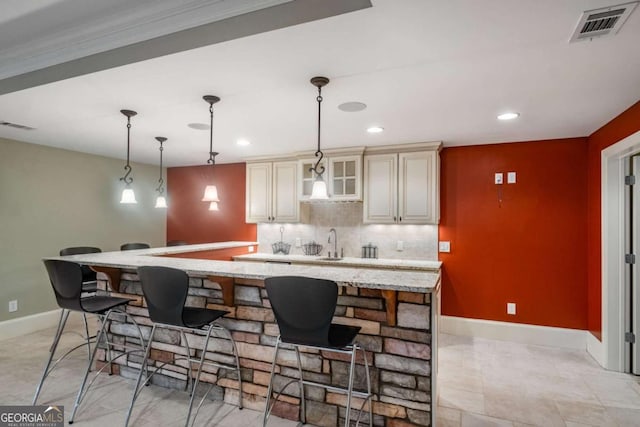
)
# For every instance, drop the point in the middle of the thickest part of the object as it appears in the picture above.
(211, 194)
(211, 191)
(161, 202)
(128, 196)
(319, 190)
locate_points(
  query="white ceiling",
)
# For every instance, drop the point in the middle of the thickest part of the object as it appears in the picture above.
(427, 69)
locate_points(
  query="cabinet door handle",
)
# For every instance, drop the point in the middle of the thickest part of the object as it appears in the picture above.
(394, 219)
(400, 219)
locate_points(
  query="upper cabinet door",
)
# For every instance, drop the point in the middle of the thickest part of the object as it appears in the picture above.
(258, 197)
(345, 178)
(417, 188)
(380, 188)
(285, 192)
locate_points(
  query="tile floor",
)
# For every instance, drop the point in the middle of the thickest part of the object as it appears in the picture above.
(493, 383)
(482, 383)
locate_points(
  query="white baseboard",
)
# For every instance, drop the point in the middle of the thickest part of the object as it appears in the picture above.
(27, 324)
(516, 332)
(595, 348)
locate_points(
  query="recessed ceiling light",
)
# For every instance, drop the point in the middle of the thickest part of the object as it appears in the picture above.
(375, 129)
(352, 107)
(508, 116)
(199, 126)
(243, 142)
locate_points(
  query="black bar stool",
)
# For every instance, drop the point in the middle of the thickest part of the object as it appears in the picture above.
(303, 308)
(132, 246)
(66, 280)
(176, 243)
(165, 290)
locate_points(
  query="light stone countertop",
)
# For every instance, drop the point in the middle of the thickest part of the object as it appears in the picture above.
(399, 280)
(384, 263)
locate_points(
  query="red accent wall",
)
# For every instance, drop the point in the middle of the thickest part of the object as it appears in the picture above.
(531, 248)
(617, 129)
(189, 218)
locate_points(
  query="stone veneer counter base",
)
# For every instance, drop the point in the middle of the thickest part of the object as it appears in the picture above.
(401, 353)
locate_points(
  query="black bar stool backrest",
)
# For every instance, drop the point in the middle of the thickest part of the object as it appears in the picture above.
(131, 246)
(303, 308)
(88, 275)
(165, 290)
(176, 243)
(66, 279)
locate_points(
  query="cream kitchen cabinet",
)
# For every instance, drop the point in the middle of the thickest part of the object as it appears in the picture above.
(343, 175)
(272, 192)
(401, 188)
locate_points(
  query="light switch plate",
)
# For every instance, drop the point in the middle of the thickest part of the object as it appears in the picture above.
(250, 248)
(511, 177)
(13, 305)
(400, 245)
(498, 178)
(444, 246)
(511, 308)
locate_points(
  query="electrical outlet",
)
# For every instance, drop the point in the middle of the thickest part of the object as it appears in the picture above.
(511, 308)
(444, 246)
(250, 248)
(298, 242)
(13, 305)
(498, 178)
(511, 177)
(400, 245)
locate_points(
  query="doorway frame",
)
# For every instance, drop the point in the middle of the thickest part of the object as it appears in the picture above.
(611, 349)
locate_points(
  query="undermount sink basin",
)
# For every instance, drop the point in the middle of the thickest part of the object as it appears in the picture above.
(326, 258)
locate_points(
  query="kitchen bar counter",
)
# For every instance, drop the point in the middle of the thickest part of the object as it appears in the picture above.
(383, 263)
(387, 279)
(397, 311)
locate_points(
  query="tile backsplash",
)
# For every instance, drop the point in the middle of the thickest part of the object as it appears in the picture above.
(419, 241)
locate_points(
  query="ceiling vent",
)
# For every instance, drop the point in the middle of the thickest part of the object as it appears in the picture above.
(15, 125)
(601, 22)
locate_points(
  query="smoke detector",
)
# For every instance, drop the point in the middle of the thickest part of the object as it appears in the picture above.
(602, 22)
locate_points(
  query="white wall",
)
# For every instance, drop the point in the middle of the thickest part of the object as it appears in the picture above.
(51, 199)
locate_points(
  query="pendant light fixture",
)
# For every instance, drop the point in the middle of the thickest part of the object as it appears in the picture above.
(211, 191)
(319, 190)
(128, 196)
(161, 202)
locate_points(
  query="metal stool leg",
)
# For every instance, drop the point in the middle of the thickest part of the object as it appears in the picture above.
(189, 373)
(137, 389)
(370, 398)
(195, 385)
(86, 334)
(303, 409)
(267, 410)
(350, 389)
(86, 373)
(235, 354)
(64, 315)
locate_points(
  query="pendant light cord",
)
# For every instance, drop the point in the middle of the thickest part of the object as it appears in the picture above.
(212, 154)
(160, 188)
(126, 178)
(317, 168)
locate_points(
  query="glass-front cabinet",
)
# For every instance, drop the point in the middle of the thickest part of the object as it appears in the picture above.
(343, 175)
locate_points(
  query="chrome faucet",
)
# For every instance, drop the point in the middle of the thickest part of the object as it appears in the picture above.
(335, 242)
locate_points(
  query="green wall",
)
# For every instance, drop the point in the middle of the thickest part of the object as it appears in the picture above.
(52, 198)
